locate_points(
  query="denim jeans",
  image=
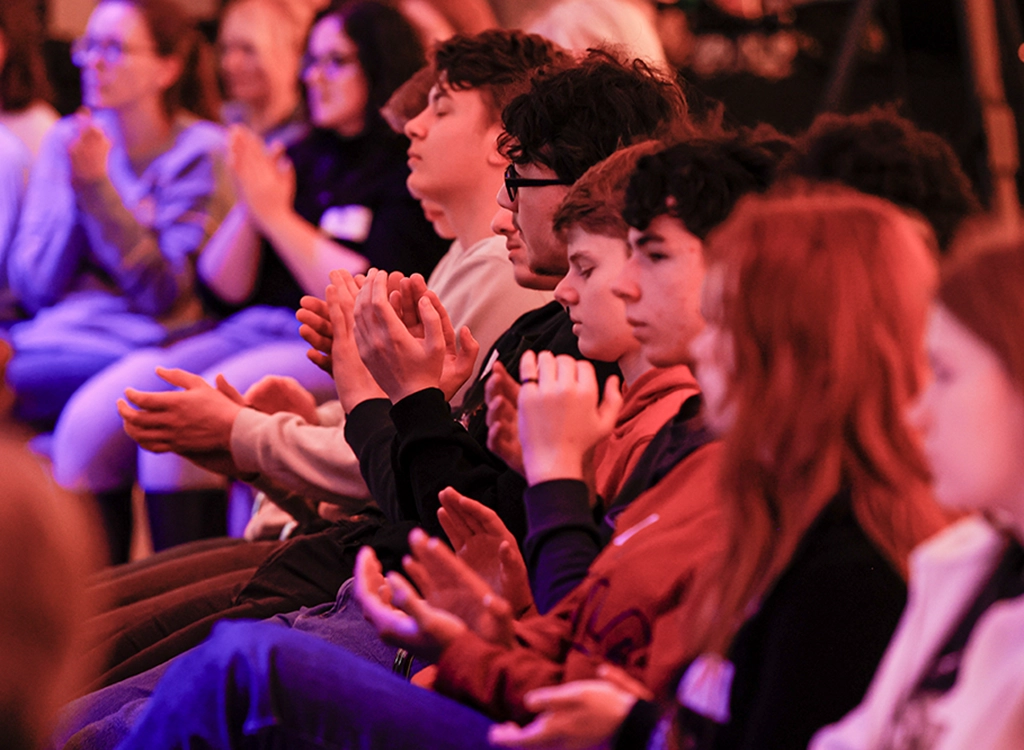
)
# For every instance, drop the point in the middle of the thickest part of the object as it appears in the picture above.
(262, 686)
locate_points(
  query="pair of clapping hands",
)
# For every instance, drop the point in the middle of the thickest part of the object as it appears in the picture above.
(547, 427)
(385, 335)
(482, 588)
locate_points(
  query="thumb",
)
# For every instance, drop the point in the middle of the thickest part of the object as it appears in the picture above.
(622, 680)
(229, 390)
(610, 406)
(469, 347)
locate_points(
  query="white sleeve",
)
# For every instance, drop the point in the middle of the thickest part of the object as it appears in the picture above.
(291, 455)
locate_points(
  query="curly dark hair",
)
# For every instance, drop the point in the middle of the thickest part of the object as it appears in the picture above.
(498, 62)
(572, 119)
(884, 154)
(699, 181)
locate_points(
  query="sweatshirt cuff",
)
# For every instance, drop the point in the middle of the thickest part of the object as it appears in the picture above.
(468, 649)
(244, 441)
(557, 503)
(364, 420)
(420, 409)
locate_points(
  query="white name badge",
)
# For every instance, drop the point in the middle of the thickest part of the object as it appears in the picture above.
(706, 687)
(350, 223)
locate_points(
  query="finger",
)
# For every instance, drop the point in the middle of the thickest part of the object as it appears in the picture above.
(315, 340)
(565, 370)
(477, 516)
(536, 734)
(419, 575)
(319, 323)
(314, 305)
(611, 404)
(181, 378)
(126, 412)
(367, 575)
(622, 680)
(408, 301)
(150, 400)
(229, 390)
(554, 697)
(433, 333)
(321, 360)
(528, 367)
(547, 368)
(469, 347)
(451, 518)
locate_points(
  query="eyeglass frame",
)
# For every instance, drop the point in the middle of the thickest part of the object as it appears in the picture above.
(111, 51)
(329, 65)
(513, 182)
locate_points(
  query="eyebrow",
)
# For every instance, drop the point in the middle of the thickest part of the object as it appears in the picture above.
(647, 238)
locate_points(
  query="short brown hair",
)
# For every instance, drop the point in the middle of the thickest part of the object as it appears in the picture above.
(595, 202)
(498, 62)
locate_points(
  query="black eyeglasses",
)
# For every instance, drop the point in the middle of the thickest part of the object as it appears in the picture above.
(513, 182)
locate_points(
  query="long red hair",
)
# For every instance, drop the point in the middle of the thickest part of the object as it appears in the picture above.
(825, 294)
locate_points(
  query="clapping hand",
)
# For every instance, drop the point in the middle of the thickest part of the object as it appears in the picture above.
(560, 419)
(88, 150)
(501, 393)
(485, 544)
(579, 715)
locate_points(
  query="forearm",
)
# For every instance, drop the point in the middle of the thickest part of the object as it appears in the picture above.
(562, 539)
(434, 452)
(307, 253)
(230, 260)
(295, 456)
(129, 251)
(371, 435)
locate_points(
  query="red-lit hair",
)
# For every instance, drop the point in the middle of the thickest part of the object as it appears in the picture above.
(982, 287)
(825, 295)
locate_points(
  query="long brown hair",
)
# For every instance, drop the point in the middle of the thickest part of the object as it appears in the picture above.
(174, 35)
(825, 294)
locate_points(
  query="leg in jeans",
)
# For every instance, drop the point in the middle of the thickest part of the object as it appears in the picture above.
(259, 685)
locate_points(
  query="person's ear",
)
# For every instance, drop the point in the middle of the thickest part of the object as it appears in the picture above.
(494, 157)
(171, 69)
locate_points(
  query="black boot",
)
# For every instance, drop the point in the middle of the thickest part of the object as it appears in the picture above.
(116, 511)
(186, 515)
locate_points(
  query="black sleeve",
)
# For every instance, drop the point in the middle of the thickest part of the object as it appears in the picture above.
(434, 451)
(562, 539)
(370, 433)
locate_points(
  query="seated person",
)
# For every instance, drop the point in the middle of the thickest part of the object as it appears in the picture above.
(822, 483)
(121, 200)
(951, 677)
(347, 178)
(288, 453)
(260, 45)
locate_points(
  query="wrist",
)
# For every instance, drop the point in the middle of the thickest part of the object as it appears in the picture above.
(354, 391)
(399, 391)
(549, 465)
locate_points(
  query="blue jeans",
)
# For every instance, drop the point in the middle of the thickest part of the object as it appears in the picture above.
(263, 686)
